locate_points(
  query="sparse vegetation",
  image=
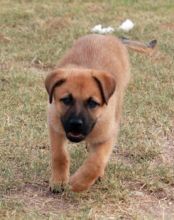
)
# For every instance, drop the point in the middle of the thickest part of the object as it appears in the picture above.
(139, 182)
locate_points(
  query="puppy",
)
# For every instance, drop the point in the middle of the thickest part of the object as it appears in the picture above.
(85, 102)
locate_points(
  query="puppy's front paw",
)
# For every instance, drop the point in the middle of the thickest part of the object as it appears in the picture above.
(56, 188)
(79, 183)
(58, 185)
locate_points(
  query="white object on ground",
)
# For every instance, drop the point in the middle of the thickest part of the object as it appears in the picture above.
(100, 30)
(126, 26)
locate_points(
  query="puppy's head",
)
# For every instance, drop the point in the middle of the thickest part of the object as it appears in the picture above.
(79, 96)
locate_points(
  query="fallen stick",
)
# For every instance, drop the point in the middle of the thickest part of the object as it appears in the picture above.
(147, 48)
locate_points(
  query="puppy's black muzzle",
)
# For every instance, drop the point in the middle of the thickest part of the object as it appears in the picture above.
(77, 127)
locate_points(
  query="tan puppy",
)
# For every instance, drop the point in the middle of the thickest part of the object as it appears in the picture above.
(86, 94)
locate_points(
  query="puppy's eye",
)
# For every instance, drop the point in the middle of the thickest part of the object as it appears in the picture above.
(68, 100)
(92, 104)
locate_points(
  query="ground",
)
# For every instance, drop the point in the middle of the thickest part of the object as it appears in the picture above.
(139, 180)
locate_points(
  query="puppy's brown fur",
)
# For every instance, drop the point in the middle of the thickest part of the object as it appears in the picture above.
(97, 68)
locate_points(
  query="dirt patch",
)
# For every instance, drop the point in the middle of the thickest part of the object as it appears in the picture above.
(95, 8)
(36, 197)
(38, 64)
(166, 156)
(58, 23)
(149, 206)
(141, 206)
(167, 153)
(4, 39)
(168, 26)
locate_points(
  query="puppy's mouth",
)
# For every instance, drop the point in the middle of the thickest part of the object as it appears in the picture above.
(75, 136)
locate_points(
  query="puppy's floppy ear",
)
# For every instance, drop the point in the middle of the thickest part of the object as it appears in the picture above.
(106, 84)
(54, 79)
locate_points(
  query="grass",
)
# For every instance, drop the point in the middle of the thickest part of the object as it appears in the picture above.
(139, 181)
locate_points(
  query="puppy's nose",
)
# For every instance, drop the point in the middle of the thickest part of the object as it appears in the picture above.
(76, 122)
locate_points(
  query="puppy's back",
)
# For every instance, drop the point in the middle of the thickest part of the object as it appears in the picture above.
(99, 52)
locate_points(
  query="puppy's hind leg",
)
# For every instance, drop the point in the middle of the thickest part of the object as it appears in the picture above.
(59, 162)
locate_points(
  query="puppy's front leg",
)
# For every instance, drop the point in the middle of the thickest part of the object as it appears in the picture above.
(59, 161)
(93, 167)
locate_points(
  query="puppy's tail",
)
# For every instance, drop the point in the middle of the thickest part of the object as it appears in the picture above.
(147, 48)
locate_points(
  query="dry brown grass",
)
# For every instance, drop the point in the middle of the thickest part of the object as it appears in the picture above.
(139, 181)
